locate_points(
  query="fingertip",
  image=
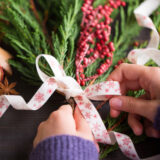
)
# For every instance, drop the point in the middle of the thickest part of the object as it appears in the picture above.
(114, 113)
(135, 124)
(115, 103)
(138, 130)
(66, 108)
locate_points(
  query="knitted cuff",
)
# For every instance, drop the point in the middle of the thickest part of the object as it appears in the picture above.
(65, 147)
(157, 120)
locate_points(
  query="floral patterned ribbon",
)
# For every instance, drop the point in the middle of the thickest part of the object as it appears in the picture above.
(101, 91)
(142, 13)
(71, 88)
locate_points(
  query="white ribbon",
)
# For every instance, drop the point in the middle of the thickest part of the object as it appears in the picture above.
(71, 88)
(142, 13)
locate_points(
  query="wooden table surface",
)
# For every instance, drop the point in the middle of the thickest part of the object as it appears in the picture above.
(18, 128)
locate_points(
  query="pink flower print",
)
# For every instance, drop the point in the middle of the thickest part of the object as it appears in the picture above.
(88, 115)
(107, 90)
(133, 155)
(118, 135)
(98, 87)
(126, 141)
(98, 135)
(132, 52)
(39, 97)
(117, 90)
(87, 90)
(1, 104)
(105, 134)
(89, 94)
(88, 106)
(96, 127)
(111, 84)
(144, 17)
(51, 81)
(95, 116)
(49, 91)
(133, 60)
(127, 153)
(80, 98)
(81, 103)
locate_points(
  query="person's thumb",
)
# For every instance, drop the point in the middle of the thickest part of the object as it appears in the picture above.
(81, 124)
(145, 108)
(83, 127)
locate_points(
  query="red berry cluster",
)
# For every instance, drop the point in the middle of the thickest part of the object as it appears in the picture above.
(94, 39)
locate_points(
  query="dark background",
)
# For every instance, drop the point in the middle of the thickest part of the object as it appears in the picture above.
(18, 128)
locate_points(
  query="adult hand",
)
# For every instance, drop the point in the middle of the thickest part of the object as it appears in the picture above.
(63, 122)
(136, 77)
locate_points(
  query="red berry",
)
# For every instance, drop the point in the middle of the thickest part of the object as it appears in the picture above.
(85, 61)
(136, 44)
(82, 76)
(108, 61)
(81, 69)
(116, 66)
(99, 71)
(111, 46)
(96, 55)
(82, 83)
(123, 4)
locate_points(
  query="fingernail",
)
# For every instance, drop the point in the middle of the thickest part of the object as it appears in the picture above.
(138, 131)
(116, 103)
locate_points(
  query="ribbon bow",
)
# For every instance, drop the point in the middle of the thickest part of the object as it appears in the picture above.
(71, 88)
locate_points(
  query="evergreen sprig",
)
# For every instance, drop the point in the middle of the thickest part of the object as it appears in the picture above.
(21, 30)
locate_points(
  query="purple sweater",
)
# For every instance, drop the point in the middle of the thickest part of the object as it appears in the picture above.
(65, 147)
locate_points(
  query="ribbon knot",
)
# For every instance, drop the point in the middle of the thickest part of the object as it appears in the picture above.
(100, 91)
(65, 84)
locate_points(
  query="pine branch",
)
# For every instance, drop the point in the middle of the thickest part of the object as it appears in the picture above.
(64, 41)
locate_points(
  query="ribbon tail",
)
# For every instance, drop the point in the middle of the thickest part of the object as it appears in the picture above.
(93, 119)
(142, 13)
(37, 101)
(100, 132)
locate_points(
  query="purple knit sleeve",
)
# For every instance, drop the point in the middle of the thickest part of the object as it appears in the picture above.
(65, 147)
(157, 119)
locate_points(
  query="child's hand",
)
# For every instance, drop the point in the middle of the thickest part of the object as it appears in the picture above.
(135, 77)
(62, 122)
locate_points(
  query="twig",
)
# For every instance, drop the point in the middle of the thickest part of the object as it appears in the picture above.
(43, 24)
(118, 123)
(99, 106)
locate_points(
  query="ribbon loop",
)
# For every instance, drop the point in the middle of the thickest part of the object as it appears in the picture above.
(54, 65)
(142, 13)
